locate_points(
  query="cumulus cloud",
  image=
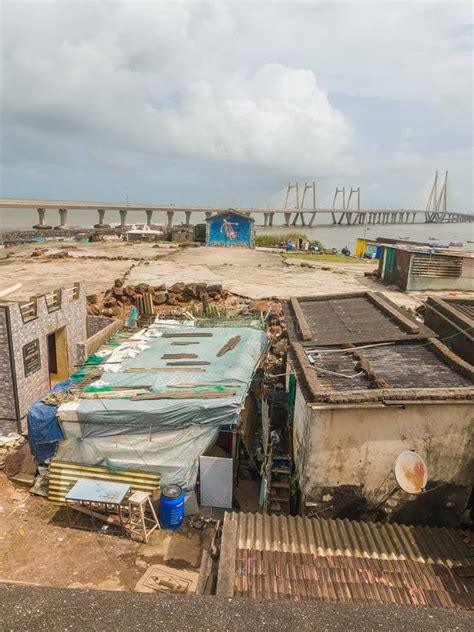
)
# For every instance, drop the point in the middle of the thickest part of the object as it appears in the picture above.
(145, 85)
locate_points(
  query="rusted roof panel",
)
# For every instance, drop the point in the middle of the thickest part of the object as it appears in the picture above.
(350, 538)
(281, 557)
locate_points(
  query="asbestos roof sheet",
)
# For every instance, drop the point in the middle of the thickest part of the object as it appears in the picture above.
(465, 307)
(282, 557)
(401, 366)
(354, 318)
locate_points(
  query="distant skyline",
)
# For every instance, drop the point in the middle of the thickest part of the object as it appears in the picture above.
(224, 103)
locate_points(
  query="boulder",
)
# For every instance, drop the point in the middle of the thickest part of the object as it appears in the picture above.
(118, 283)
(117, 292)
(216, 288)
(110, 302)
(92, 298)
(160, 288)
(159, 298)
(177, 288)
(141, 288)
(190, 291)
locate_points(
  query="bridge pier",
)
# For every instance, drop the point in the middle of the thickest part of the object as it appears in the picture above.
(270, 218)
(297, 216)
(123, 217)
(187, 215)
(208, 214)
(62, 218)
(170, 215)
(287, 219)
(101, 223)
(313, 215)
(265, 219)
(149, 217)
(41, 225)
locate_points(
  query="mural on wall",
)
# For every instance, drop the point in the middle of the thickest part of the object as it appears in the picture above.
(231, 229)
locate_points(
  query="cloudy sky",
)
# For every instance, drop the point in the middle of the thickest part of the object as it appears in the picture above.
(226, 102)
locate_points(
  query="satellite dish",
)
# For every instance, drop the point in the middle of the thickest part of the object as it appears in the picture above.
(411, 472)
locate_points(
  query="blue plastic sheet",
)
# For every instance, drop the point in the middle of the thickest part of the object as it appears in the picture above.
(43, 427)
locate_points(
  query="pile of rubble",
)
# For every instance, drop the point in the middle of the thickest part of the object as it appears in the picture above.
(117, 300)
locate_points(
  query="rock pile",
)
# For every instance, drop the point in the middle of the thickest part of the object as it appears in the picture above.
(118, 299)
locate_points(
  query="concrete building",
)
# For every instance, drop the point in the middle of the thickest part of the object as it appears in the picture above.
(43, 340)
(40, 345)
(367, 390)
(230, 228)
(414, 268)
(452, 318)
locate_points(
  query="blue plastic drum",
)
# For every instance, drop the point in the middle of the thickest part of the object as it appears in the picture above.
(171, 507)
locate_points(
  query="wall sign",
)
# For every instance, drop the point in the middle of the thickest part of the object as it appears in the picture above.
(31, 357)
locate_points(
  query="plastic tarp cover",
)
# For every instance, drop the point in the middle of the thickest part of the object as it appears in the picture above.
(174, 453)
(43, 426)
(216, 481)
(162, 435)
(235, 367)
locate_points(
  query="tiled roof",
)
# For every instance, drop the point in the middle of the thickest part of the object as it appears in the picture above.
(281, 557)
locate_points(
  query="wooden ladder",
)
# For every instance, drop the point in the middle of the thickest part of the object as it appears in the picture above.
(142, 516)
(280, 490)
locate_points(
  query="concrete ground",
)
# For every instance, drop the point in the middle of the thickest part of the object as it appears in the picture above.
(257, 273)
(30, 609)
(38, 548)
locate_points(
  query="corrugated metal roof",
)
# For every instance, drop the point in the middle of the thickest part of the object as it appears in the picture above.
(63, 475)
(281, 557)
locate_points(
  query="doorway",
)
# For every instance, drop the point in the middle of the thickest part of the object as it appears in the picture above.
(57, 356)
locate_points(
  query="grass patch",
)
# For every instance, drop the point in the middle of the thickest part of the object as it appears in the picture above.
(316, 258)
(273, 241)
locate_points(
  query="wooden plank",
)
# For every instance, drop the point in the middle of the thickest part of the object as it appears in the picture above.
(229, 345)
(195, 384)
(185, 395)
(161, 369)
(185, 343)
(10, 290)
(119, 394)
(305, 330)
(390, 309)
(186, 363)
(178, 356)
(199, 334)
(109, 519)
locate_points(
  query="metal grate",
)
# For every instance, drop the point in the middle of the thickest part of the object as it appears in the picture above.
(436, 266)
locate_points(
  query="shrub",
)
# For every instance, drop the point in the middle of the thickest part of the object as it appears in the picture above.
(273, 241)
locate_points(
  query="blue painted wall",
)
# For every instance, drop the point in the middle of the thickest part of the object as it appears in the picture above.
(230, 230)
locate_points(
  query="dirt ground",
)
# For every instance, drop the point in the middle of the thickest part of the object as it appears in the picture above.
(38, 548)
(257, 273)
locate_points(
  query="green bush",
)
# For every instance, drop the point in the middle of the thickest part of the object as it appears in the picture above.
(316, 244)
(273, 241)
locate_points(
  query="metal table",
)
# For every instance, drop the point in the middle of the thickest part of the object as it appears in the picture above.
(101, 500)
